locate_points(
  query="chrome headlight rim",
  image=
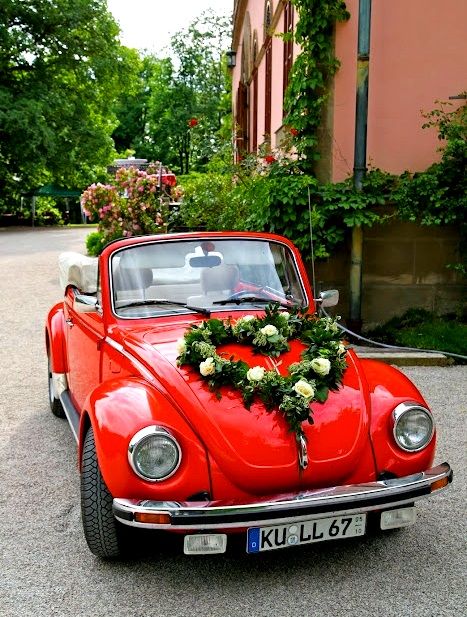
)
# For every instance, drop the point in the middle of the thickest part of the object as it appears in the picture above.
(399, 412)
(141, 436)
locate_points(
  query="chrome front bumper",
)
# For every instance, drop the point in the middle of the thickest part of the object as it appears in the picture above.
(286, 508)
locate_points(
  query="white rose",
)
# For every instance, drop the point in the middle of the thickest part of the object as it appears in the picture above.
(321, 366)
(286, 315)
(181, 346)
(269, 330)
(305, 389)
(247, 318)
(255, 374)
(331, 326)
(208, 367)
(243, 322)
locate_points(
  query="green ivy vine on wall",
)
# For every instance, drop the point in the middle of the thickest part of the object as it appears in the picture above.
(311, 71)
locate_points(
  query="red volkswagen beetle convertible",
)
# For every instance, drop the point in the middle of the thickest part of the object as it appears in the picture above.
(209, 398)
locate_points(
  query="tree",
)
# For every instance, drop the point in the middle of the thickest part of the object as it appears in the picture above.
(182, 99)
(202, 79)
(131, 110)
(61, 68)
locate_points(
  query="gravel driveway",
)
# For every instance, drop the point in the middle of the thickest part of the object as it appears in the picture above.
(47, 570)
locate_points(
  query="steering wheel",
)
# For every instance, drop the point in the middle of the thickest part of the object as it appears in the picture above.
(244, 293)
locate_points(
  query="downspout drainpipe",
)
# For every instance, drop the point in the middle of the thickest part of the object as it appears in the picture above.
(363, 63)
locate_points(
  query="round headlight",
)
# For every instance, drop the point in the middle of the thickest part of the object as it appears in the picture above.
(413, 426)
(154, 454)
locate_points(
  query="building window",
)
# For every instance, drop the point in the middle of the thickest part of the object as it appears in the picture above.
(268, 9)
(241, 119)
(254, 111)
(246, 49)
(253, 97)
(288, 43)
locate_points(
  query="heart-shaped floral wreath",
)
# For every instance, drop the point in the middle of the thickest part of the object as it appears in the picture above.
(320, 369)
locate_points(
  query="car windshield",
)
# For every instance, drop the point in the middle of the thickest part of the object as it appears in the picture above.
(185, 275)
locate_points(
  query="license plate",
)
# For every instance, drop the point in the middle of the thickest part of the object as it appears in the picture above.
(281, 536)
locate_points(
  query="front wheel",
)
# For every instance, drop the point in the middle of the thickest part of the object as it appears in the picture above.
(102, 532)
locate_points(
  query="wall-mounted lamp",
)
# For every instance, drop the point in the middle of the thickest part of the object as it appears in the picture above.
(231, 56)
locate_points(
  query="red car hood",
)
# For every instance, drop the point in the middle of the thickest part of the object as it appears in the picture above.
(253, 449)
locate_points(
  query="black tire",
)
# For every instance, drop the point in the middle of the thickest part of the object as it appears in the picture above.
(102, 531)
(56, 406)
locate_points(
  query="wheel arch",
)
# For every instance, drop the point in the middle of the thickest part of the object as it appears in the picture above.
(117, 410)
(388, 387)
(55, 339)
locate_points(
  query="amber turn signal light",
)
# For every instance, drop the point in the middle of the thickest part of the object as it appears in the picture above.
(439, 484)
(152, 518)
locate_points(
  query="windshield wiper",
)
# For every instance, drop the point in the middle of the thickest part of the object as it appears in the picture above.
(159, 301)
(251, 299)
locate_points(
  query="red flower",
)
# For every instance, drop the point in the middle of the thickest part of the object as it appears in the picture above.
(270, 159)
(294, 132)
(169, 179)
(192, 122)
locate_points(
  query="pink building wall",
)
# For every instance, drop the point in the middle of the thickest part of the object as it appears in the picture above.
(418, 55)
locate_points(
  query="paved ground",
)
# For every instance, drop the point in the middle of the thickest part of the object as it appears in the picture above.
(47, 570)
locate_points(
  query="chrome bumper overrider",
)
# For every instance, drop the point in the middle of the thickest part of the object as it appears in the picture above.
(286, 508)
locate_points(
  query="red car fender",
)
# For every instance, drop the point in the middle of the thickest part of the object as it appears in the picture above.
(388, 387)
(55, 339)
(117, 409)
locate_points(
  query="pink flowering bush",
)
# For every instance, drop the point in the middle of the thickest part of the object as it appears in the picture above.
(134, 205)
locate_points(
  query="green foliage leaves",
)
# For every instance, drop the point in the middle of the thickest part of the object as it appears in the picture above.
(438, 196)
(422, 329)
(312, 69)
(95, 242)
(284, 208)
(61, 67)
(275, 196)
(211, 201)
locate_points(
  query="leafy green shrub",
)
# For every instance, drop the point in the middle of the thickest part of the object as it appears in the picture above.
(438, 195)
(95, 242)
(283, 199)
(210, 201)
(437, 334)
(423, 329)
(47, 214)
(280, 205)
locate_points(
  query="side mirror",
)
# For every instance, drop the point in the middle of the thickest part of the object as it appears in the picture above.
(330, 297)
(85, 304)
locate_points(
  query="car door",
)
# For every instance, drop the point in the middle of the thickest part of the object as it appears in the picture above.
(84, 333)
